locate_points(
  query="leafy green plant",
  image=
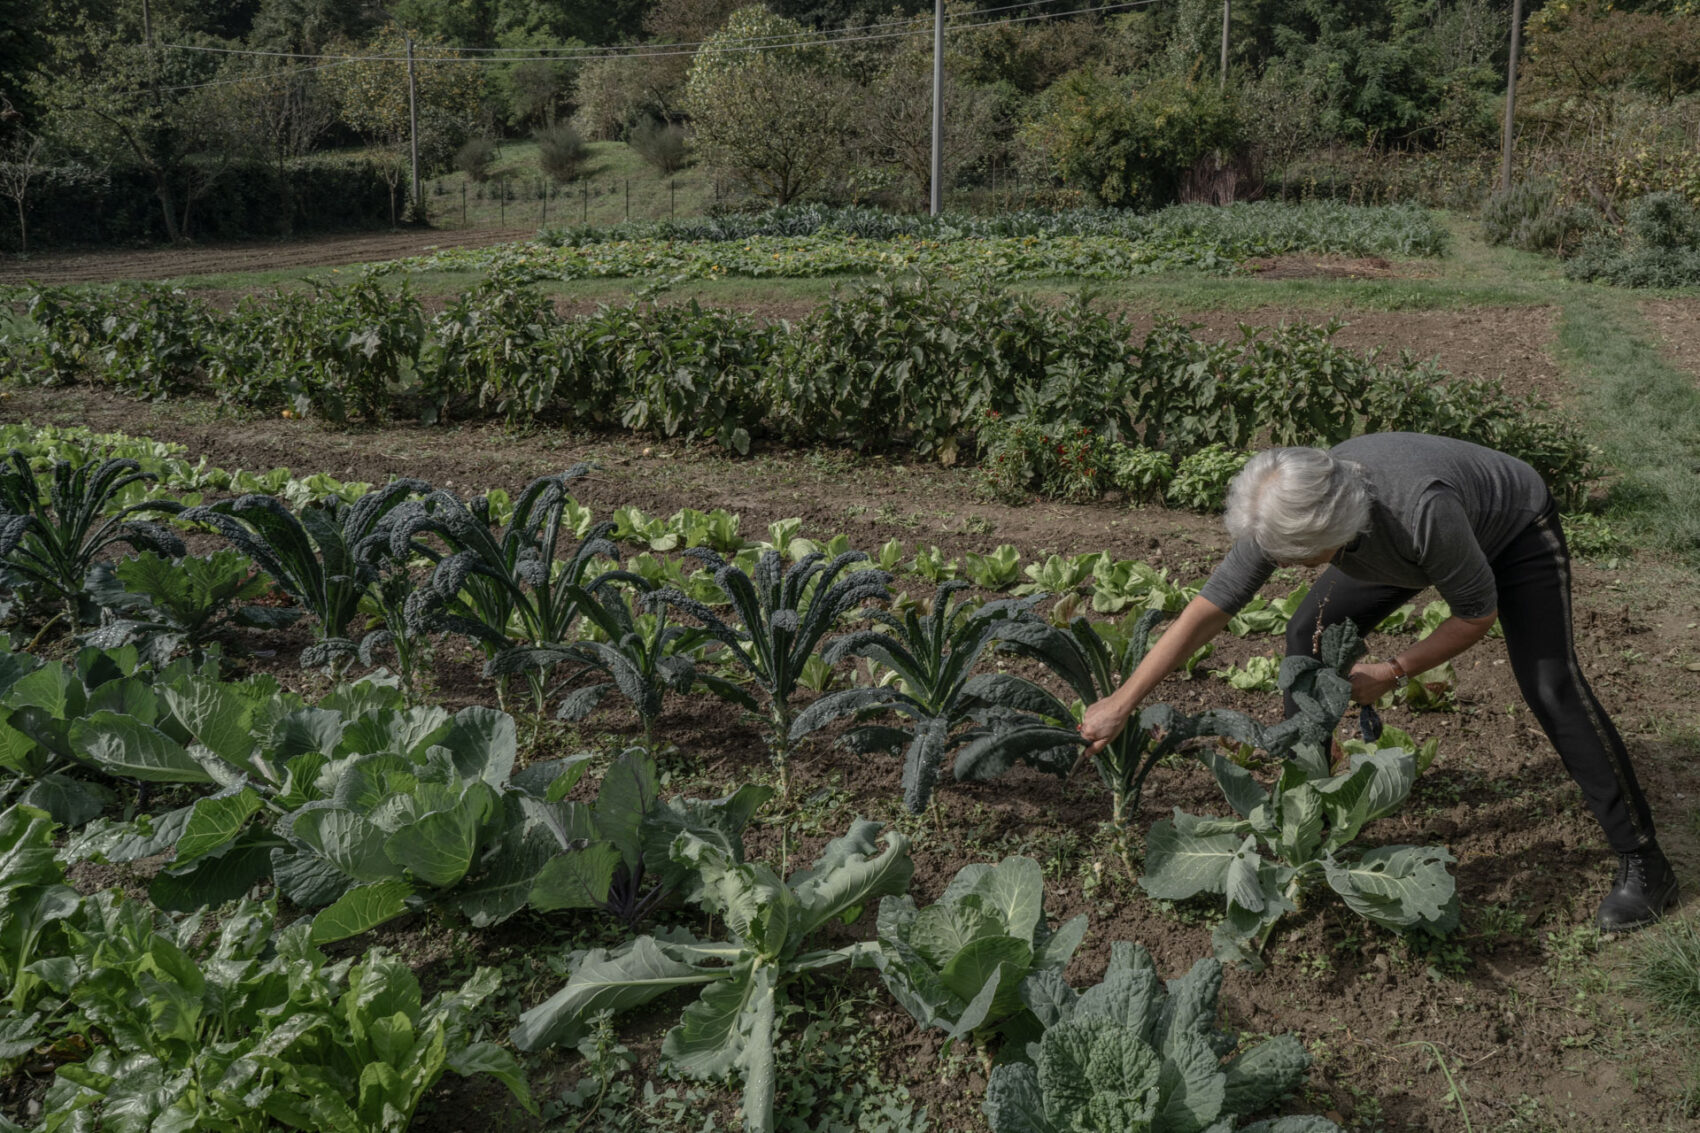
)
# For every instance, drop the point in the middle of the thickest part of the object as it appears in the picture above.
(314, 558)
(251, 1026)
(34, 903)
(1129, 1054)
(1093, 668)
(1201, 480)
(933, 657)
(50, 540)
(153, 344)
(644, 656)
(994, 571)
(1059, 574)
(743, 980)
(1302, 830)
(500, 589)
(1143, 473)
(784, 616)
(1259, 674)
(495, 347)
(186, 602)
(959, 963)
(615, 853)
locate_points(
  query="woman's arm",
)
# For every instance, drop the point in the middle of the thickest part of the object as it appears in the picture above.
(1198, 623)
(1454, 635)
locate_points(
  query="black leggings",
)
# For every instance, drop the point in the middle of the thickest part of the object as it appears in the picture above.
(1532, 576)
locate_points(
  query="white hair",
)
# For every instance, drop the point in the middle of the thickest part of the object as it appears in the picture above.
(1296, 503)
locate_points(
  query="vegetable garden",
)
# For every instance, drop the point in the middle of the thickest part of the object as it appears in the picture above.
(594, 798)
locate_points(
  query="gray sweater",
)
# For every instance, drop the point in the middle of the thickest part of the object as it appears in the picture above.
(1441, 512)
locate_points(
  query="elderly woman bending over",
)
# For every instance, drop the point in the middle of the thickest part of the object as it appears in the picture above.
(1388, 515)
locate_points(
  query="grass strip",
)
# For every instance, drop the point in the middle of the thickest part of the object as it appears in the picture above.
(1644, 413)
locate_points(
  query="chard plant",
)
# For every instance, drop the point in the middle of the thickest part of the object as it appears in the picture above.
(1131, 1054)
(784, 614)
(743, 980)
(615, 854)
(51, 538)
(932, 656)
(249, 1027)
(316, 558)
(959, 964)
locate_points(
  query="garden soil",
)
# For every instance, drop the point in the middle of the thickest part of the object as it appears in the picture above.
(1513, 1006)
(1677, 322)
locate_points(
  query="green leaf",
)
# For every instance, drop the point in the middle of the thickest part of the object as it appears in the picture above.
(488, 1058)
(846, 877)
(985, 960)
(1180, 863)
(714, 1030)
(71, 802)
(224, 874)
(1013, 890)
(1014, 1102)
(1399, 887)
(1192, 1085)
(438, 848)
(123, 745)
(1264, 1074)
(484, 744)
(352, 843)
(360, 909)
(576, 879)
(215, 821)
(617, 980)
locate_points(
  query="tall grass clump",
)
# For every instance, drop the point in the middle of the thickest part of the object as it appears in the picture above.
(561, 152)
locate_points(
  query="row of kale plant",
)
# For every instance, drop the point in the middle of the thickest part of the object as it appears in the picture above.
(1056, 399)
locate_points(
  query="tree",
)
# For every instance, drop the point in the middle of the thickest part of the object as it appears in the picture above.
(372, 100)
(897, 119)
(107, 95)
(20, 164)
(776, 119)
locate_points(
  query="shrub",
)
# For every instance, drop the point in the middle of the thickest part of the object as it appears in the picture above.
(1660, 247)
(1201, 480)
(474, 158)
(1533, 217)
(661, 144)
(1132, 146)
(560, 152)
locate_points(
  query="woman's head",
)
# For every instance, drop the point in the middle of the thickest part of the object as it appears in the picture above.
(1297, 504)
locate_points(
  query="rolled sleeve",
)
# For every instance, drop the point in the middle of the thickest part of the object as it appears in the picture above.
(1238, 578)
(1449, 554)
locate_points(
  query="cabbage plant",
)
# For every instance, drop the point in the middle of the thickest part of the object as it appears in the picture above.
(1130, 1055)
(744, 979)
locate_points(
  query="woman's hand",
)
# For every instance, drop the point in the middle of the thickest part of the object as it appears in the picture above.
(1372, 681)
(1103, 722)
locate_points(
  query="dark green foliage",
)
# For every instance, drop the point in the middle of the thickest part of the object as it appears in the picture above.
(1201, 480)
(154, 342)
(615, 854)
(497, 347)
(50, 540)
(315, 558)
(561, 151)
(498, 589)
(660, 144)
(1533, 217)
(70, 331)
(474, 158)
(1130, 142)
(643, 656)
(933, 655)
(784, 614)
(1132, 1053)
(1660, 247)
(183, 602)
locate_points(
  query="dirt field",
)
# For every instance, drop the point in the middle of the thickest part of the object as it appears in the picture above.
(1505, 1003)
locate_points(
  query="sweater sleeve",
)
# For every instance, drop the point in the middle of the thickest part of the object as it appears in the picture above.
(1449, 554)
(1239, 577)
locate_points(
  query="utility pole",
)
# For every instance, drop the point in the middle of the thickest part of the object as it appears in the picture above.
(413, 120)
(1227, 5)
(147, 26)
(1510, 94)
(936, 205)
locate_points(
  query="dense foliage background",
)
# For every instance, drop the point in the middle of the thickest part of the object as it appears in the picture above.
(1047, 105)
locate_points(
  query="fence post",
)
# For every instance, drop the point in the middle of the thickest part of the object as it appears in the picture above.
(584, 213)
(673, 197)
(502, 195)
(545, 216)
(463, 204)
(628, 198)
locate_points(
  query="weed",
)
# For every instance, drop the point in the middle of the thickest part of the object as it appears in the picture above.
(1666, 968)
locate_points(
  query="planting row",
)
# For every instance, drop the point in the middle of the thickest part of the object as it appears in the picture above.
(1055, 399)
(1261, 228)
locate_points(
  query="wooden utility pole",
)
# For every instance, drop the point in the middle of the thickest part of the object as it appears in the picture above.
(413, 120)
(1227, 5)
(1510, 94)
(936, 203)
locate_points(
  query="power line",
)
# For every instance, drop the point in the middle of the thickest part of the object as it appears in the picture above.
(741, 46)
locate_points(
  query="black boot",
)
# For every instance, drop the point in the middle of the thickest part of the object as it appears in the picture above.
(1645, 885)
